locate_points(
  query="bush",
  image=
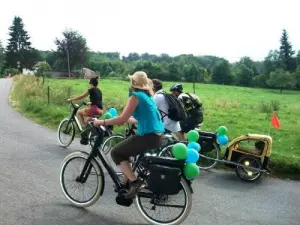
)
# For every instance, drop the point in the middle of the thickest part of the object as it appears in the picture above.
(43, 70)
(270, 107)
(11, 71)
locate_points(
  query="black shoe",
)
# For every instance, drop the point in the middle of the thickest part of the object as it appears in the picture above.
(134, 188)
(123, 186)
(84, 141)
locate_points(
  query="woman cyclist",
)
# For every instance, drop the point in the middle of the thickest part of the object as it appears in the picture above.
(95, 105)
(150, 128)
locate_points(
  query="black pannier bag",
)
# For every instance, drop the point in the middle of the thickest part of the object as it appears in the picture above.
(165, 175)
(206, 141)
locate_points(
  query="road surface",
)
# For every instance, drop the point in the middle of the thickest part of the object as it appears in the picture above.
(30, 160)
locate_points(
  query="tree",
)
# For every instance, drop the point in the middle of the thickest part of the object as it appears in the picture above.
(2, 57)
(221, 73)
(43, 70)
(19, 52)
(71, 50)
(250, 64)
(286, 53)
(174, 72)
(271, 62)
(297, 77)
(298, 59)
(244, 75)
(281, 79)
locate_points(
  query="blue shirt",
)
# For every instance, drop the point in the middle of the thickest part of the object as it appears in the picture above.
(147, 115)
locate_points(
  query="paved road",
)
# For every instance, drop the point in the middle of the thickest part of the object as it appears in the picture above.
(30, 193)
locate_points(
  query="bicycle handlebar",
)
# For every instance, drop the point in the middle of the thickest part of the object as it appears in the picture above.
(78, 105)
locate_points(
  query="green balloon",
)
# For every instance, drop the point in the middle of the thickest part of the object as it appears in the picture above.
(179, 151)
(222, 130)
(191, 170)
(193, 136)
(107, 115)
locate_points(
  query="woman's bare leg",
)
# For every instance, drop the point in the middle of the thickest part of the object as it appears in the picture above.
(80, 116)
(126, 168)
(180, 136)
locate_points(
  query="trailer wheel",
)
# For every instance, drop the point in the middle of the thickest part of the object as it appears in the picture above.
(245, 172)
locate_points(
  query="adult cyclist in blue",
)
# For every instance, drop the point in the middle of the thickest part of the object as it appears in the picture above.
(150, 128)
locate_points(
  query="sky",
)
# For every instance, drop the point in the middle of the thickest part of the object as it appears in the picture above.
(224, 28)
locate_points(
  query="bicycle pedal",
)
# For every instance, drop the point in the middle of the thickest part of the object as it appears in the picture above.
(121, 200)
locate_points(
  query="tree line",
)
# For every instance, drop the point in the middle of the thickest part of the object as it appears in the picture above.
(280, 68)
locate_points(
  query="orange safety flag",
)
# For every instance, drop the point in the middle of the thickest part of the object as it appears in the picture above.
(275, 121)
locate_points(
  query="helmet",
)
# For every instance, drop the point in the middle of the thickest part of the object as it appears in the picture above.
(176, 87)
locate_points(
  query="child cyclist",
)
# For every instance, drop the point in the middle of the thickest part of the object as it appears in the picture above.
(94, 106)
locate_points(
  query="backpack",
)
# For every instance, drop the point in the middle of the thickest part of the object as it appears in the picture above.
(194, 102)
(176, 109)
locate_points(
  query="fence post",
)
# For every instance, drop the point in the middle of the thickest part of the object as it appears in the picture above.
(48, 94)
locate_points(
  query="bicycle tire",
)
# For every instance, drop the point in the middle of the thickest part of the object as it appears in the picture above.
(100, 179)
(59, 133)
(180, 219)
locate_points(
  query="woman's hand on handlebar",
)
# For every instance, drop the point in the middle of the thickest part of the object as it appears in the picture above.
(98, 123)
(131, 120)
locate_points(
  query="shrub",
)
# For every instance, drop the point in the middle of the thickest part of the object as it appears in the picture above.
(270, 107)
(11, 71)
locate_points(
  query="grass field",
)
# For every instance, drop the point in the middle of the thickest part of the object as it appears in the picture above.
(242, 110)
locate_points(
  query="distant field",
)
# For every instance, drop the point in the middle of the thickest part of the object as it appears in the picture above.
(242, 110)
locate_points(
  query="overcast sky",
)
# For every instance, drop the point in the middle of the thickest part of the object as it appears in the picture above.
(225, 28)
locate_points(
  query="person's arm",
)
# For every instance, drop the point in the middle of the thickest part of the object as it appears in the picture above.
(123, 118)
(86, 93)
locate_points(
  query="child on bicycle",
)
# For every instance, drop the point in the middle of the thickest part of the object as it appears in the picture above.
(149, 128)
(95, 105)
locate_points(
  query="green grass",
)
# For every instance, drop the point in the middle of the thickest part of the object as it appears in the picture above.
(242, 110)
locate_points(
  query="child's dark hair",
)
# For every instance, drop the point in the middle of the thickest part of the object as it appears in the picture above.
(94, 81)
(260, 145)
(157, 84)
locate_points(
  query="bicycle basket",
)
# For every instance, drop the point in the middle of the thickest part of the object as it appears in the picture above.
(164, 178)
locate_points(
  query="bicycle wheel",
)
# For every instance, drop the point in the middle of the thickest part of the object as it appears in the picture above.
(166, 151)
(65, 132)
(107, 146)
(78, 193)
(205, 163)
(150, 206)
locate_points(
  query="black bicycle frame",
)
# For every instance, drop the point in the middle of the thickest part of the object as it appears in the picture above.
(72, 117)
(94, 153)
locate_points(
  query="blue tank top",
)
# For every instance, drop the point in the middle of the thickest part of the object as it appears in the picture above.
(147, 115)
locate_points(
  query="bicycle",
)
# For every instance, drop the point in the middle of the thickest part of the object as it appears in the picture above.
(67, 127)
(163, 179)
